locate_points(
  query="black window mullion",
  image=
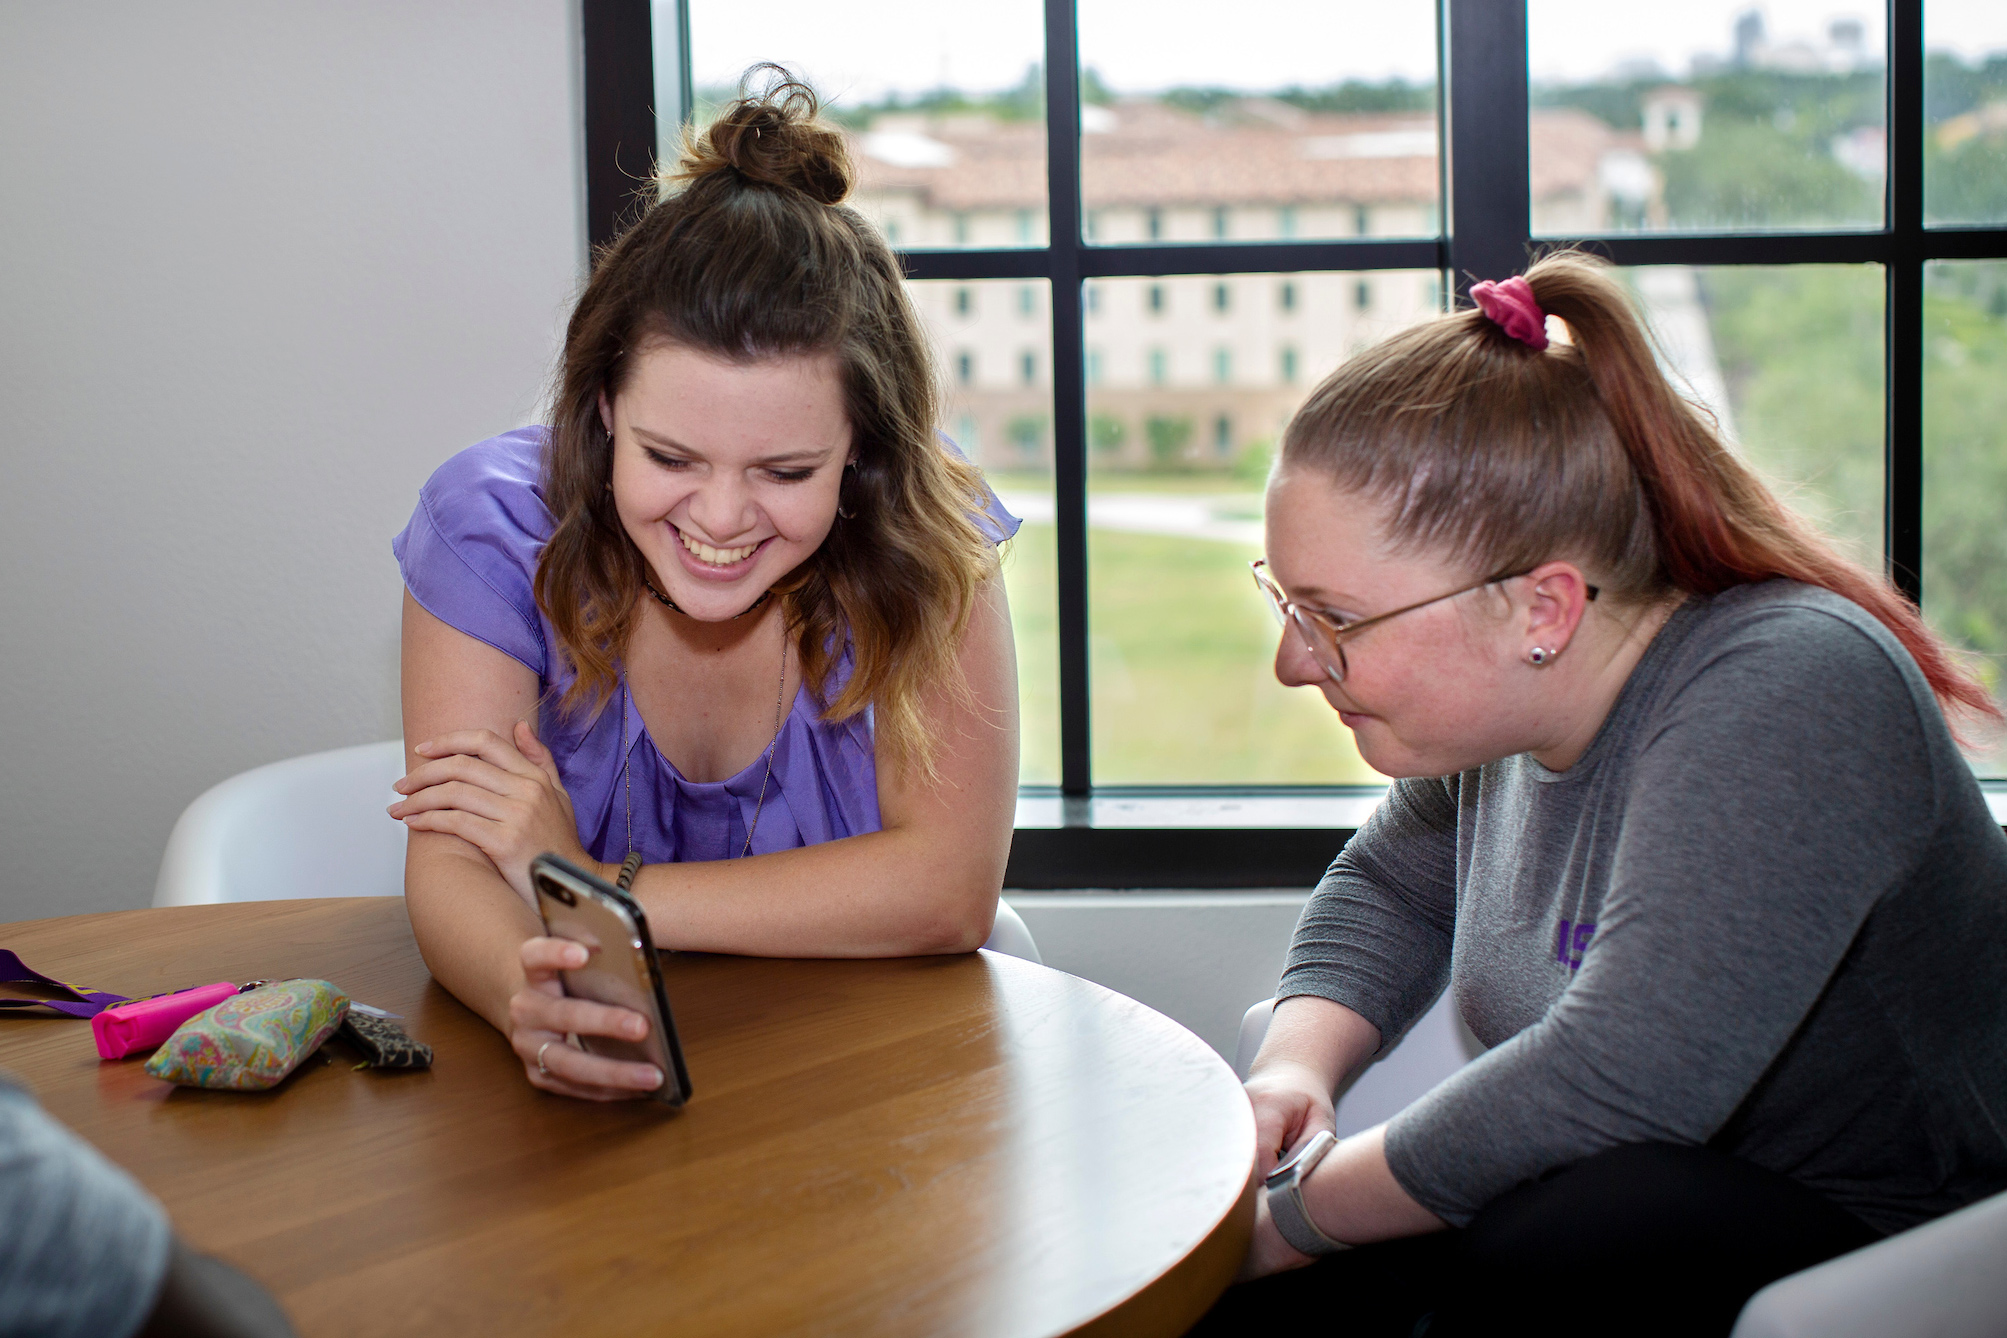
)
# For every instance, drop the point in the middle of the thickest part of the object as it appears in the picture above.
(619, 58)
(1489, 206)
(1108, 262)
(1903, 306)
(1069, 387)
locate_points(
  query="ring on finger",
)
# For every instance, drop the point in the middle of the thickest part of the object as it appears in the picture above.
(540, 1059)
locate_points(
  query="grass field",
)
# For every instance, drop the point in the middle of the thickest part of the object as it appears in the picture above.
(1181, 651)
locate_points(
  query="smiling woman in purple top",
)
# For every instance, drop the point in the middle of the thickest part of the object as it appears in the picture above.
(735, 612)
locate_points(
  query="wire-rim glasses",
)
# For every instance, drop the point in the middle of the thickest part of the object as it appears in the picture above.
(1324, 635)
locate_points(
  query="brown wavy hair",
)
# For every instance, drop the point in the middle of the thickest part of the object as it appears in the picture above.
(750, 254)
(1507, 456)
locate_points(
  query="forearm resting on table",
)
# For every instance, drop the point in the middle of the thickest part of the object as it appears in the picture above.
(896, 893)
(469, 923)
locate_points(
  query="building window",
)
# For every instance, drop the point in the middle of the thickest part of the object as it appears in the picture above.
(1223, 436)
(1027, 367)
(1803, 223)
(1027, 433)
(1222, 298)
(1027, 300)
(891, 232)
(1223, 366)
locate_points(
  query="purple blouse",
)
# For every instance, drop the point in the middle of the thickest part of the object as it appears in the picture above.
(468, 558)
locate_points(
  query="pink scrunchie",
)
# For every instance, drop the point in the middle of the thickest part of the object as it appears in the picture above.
(1511, 305)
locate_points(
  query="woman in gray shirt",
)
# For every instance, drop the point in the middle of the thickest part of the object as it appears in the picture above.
(1682, 827)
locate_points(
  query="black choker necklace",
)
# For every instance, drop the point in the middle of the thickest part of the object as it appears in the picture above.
(669, 603)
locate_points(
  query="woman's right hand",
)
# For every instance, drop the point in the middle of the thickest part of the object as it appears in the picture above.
(1291, 1103)
(542, 1017)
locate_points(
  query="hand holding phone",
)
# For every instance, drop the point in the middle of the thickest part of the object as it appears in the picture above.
(594, 980)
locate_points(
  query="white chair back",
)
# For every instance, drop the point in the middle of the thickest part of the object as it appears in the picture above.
(1011, 936)
(314, 826)
(310, 826)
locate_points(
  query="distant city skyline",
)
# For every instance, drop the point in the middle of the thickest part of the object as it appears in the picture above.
(912, 46)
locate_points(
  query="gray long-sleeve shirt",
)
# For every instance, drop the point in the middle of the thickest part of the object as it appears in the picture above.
(1766, 911)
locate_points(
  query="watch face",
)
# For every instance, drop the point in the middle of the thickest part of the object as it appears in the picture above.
(1280, 1175)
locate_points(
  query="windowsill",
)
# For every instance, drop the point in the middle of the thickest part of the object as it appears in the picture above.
(1267, 808)
(1341, 807)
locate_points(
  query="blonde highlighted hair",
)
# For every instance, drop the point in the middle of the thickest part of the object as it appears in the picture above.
(752, 254)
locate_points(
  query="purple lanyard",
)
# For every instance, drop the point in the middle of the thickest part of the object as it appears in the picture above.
(86, 1003)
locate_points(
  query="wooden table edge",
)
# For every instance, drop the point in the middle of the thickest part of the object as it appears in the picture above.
(1174, 1300)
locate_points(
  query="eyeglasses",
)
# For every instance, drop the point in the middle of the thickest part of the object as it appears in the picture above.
(1324, 636)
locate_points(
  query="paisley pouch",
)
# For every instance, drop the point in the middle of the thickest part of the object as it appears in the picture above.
(251, 1041)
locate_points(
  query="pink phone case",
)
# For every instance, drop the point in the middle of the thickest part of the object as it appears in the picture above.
(145, 1023)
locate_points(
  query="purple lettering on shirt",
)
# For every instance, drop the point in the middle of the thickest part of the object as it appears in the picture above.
(1571, 940)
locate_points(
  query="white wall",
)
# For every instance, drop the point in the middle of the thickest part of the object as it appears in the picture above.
(262, 267)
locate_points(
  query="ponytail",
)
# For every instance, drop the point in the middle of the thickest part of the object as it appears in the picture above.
(1509, 455)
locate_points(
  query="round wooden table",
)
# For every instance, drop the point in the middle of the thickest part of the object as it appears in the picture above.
(941, 1145)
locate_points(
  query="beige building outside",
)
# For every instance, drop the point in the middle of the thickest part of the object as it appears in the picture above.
(1192, 371)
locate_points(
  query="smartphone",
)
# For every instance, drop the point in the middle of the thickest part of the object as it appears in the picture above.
(620, 969)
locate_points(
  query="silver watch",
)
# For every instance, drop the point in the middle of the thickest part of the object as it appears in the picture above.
(1285, 1198)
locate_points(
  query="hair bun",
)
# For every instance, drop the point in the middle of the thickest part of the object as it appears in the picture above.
(770, 136)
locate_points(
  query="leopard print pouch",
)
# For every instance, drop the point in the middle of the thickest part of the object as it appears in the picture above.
(383, 1044)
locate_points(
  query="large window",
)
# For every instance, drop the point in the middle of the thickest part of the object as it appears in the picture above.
(1134, 273)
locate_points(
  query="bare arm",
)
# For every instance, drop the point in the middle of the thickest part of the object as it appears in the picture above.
(1312, 1046)
(470, 924)
(926, 883)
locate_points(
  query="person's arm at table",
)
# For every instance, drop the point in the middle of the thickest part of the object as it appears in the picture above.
(927, 883)
(1369, 955)
(1312, 1046)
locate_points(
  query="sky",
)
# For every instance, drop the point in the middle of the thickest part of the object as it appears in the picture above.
(861, 51)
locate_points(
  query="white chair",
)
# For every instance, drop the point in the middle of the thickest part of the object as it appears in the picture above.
(1941, 1280)
(310, 826)
(314, 826)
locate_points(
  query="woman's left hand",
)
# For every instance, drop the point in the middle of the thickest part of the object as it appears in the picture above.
(503, 797)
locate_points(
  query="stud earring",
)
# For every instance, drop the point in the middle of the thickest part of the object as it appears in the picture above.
(1539, 655)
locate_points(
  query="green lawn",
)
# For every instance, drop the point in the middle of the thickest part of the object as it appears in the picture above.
(1181, 656)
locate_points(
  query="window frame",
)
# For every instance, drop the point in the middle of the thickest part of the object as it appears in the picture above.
(1066, 836)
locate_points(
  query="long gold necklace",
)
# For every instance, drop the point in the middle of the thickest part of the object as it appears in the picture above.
(759, 805)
